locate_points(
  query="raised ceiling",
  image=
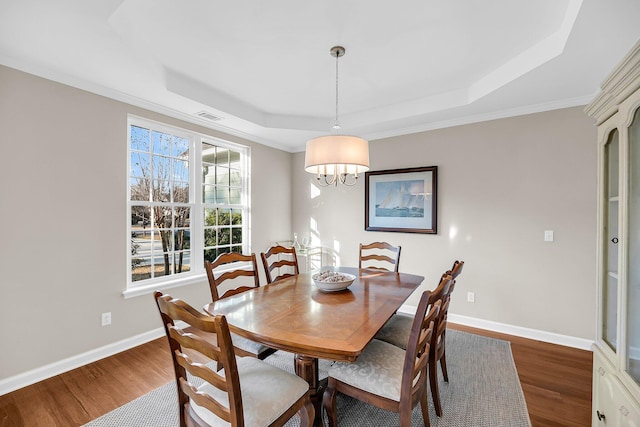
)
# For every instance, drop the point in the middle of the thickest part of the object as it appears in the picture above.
(264, 68)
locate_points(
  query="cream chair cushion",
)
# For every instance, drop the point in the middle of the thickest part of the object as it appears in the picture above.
(396, 331)
(267, 392)
(247, 344)
(377, 370)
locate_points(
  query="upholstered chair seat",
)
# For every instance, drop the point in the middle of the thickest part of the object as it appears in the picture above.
(378, 370)
(396, 330)
(267, 393)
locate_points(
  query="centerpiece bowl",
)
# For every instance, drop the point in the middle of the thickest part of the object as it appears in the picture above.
(333, 281)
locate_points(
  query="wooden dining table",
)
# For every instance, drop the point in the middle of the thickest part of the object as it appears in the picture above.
(294, 315)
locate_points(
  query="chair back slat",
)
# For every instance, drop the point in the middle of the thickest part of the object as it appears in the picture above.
(277, 258)
(227, 282)
(379, 256)
(414, 376)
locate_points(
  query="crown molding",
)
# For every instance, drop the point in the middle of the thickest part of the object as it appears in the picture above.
(621, 82)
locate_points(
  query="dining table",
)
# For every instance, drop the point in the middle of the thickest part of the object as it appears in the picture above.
(294, 315)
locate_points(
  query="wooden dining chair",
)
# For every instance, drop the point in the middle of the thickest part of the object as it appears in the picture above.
(232, 280)
(379, 256)
(396, 332)
(387, 376)
(249, 392)
(281, 259)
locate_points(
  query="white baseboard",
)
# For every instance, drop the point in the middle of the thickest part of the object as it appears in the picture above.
(534, 334)
(16, 382)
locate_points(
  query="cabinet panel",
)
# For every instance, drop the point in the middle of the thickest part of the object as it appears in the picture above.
(633, 261)
(610, 245)
(612, 405)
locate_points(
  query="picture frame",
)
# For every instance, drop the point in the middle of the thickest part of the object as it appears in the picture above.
(402, 200)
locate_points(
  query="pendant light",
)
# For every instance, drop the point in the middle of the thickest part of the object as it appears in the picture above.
(334, 158)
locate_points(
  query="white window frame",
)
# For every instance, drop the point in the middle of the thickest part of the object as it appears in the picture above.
(197, 272)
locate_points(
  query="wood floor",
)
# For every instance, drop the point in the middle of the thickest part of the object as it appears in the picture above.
(556, 381)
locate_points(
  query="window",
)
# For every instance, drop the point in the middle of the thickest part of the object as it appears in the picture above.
(180, 218)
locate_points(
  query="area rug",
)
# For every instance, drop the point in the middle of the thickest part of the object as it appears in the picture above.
(483, 391)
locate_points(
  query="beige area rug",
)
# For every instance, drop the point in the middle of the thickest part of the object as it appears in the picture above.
(483, 391)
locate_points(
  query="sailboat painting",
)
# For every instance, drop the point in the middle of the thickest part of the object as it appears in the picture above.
(403, 200)
(400, 198)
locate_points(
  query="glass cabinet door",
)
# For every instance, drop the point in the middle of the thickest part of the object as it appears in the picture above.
(633, 258)
(611, 242)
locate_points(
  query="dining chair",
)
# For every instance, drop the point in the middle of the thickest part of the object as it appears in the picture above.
(387, 376)
(396, 332)
(280, 258)
(248, 392)
(231, 280)
(379, 256)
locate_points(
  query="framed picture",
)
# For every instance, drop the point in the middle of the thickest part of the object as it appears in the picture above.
(402, 200)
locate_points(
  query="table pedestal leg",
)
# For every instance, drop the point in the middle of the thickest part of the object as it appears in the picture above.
(307, 369)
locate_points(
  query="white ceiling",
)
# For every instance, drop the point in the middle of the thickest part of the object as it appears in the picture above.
(264, 67)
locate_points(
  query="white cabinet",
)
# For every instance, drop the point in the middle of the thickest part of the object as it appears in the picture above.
(612, 405)
(616, 369)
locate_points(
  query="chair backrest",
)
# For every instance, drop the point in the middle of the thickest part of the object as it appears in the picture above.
(441, 293)
(456, 269)
(379, 256)
(414, 374)
(280, 258)
(229, 410)
(229, 282)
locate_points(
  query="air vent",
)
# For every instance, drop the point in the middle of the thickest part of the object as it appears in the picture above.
(208, 116)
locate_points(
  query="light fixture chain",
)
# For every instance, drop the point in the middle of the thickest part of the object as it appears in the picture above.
(336, 123)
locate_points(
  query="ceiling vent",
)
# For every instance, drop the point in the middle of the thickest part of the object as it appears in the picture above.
(208, 116)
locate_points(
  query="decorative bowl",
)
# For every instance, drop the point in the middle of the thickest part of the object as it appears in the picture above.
(333, 281)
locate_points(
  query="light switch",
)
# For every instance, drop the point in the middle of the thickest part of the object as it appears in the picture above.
(548, 235)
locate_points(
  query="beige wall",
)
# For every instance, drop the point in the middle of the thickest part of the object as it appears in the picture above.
(501, 184)
(63, 216)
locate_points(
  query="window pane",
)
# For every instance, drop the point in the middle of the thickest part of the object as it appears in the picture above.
(182, 240)
(160, 191)
(224, 236)
(180, 170)
(224, 216)
(222, 176)
(236, 217)
(222, 157)
(210, 216)
(222, 195)
(180, 147)
(181, 192)
(139, 189)
(161, 143)
(139, 138)
(182, 262)
(140, 164)
(235, 179)
(210, 255)
(140, 218)
(236, 235)
(235, 196)
(161, 168)
(210, 237)
(209, 194)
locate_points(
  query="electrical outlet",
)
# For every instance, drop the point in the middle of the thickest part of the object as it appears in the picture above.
(548, 235)
(106, 319)
(471, 297)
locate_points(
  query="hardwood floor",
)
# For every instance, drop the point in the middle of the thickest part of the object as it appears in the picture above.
(556, 382)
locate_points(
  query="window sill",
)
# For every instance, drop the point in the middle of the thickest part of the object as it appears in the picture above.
(149, 289)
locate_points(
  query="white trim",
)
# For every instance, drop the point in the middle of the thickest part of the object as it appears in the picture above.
(33, 376)
(519, 331)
